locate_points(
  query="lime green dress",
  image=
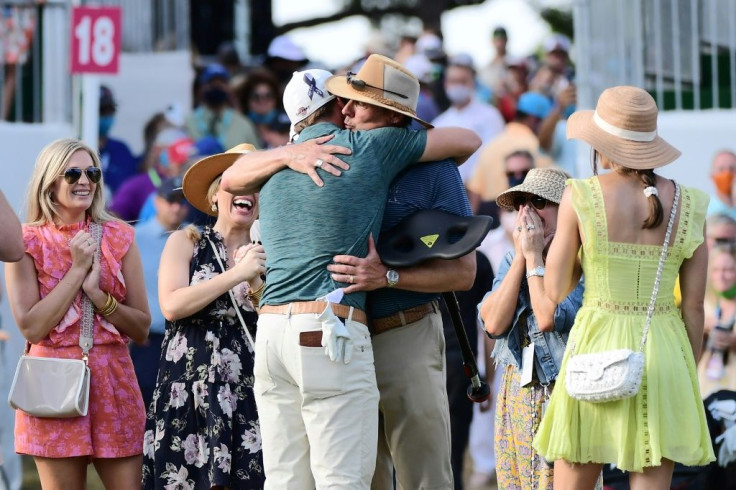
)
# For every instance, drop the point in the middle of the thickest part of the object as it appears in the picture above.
(666, 419)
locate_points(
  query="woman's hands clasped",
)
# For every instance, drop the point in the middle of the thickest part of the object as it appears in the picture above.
(250, 261)
(83, 248)
(531, 236)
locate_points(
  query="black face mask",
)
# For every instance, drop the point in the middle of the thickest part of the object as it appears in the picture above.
(214, 97)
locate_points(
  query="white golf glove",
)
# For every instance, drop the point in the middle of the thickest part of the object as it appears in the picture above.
(335, 336)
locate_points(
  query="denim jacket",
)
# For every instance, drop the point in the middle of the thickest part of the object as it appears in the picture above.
(549, 347)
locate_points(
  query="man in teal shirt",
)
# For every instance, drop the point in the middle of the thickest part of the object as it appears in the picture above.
(319, 410)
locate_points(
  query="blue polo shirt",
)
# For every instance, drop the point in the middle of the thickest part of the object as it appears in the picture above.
(151, 238)
(304, 226)
(435, 185)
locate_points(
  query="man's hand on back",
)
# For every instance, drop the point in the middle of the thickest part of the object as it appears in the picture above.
(363, 274)
(307, 157)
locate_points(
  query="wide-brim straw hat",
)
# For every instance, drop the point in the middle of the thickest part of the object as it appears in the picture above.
(548, 183)
(380, 82)
(623, 127)
(199, 177)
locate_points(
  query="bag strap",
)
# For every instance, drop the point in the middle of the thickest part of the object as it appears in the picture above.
(660, 267)
(87, 328)
(232, 298)
(658, 276)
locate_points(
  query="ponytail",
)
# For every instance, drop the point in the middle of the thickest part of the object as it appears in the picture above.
(655, 205)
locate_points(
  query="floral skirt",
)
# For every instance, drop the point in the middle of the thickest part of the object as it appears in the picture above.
(202, 426)
(518, 412)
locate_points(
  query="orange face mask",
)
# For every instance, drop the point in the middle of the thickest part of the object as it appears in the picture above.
(723, 181)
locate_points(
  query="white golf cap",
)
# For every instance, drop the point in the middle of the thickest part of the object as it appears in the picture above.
(305, 93)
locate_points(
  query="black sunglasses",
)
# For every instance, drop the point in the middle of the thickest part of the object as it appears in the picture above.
(73, 174)
(536, 201)
(519, 174)
(262, 96)
(723, 241)
(359, 84)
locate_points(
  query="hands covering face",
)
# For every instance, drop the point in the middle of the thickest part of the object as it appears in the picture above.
(530, 232)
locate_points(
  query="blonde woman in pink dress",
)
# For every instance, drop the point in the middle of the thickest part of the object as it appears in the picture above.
(45, 293)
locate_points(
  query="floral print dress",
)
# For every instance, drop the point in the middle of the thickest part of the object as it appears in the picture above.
(202, 426)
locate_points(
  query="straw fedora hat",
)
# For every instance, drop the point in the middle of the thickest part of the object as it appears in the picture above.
(200, 176)
(548, 182)
(623, 127)
(380, 82)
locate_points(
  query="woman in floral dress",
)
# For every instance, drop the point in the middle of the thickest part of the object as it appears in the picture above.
(202, 429)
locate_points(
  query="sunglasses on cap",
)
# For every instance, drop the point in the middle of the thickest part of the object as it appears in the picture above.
(359, 84)
(536, 201)
(73, 174)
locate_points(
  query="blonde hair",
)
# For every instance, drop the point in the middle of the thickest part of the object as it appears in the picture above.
(50, 165)
(711, 297)
(192, 231)
(319, 114)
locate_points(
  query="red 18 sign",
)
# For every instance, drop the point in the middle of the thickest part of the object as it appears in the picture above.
(95, 39)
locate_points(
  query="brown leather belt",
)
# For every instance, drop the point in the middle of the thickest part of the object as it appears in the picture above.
(405, 317)
(317, 307)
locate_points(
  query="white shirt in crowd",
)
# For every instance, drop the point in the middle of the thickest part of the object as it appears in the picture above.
(482, 118)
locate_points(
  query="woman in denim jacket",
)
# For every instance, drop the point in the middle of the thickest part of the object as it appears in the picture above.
(529, 329)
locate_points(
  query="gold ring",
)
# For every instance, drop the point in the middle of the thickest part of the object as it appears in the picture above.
(352, 279)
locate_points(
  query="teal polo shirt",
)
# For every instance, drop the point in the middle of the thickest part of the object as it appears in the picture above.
(304, 226)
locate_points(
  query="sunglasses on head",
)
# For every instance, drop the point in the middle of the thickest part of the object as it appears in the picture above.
(536, 201)
(359, 84)
(73, 174)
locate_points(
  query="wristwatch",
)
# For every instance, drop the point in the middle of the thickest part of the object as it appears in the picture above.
(537, 271)
(392, 277)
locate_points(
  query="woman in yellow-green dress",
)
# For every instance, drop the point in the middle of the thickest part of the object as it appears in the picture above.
(617, 222)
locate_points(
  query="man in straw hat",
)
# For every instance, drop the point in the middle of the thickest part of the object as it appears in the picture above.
(407, 327)
(319, 410)
(530, 330)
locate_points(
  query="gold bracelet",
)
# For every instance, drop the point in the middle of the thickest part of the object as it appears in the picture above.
(255, 296)
(109, 310)
(108, 304)
(113, 309)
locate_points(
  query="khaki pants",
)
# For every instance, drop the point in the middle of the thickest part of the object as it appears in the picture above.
(319, 419)
(414, 426)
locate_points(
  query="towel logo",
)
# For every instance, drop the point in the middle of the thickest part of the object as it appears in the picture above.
(429, 240)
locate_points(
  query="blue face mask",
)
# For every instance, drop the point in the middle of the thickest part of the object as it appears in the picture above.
(105, 124)
(263, 118)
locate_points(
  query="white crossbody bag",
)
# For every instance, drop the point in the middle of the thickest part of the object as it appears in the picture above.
(615, 374)
(50, 387)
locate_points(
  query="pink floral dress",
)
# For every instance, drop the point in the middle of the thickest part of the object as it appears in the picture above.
(113, 428)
